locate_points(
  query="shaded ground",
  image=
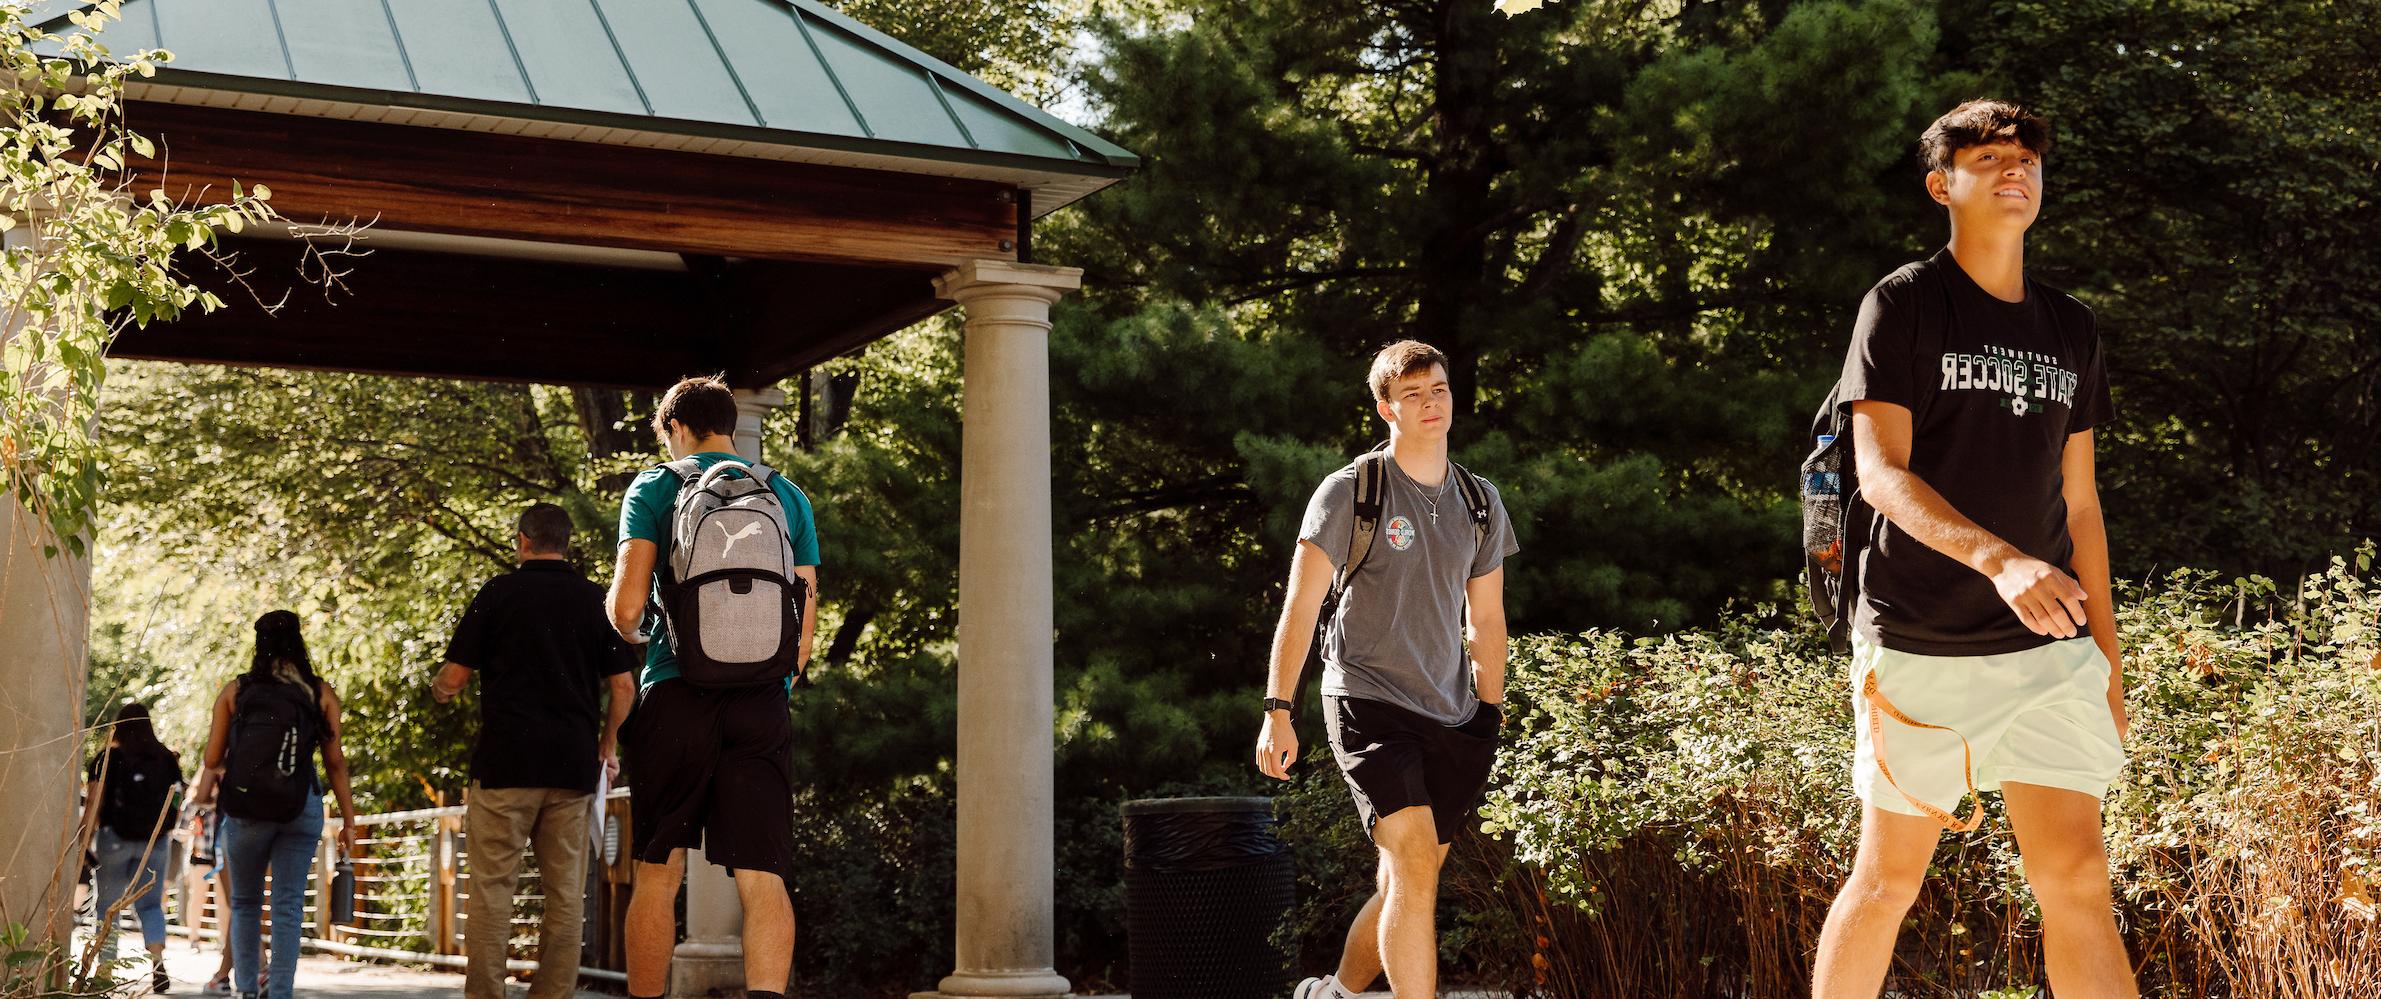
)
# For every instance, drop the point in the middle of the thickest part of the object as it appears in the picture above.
(321, 976)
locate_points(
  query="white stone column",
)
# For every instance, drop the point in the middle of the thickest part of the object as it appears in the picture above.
(1005, 925)
(752, 412)
(711, 960)
(45, 613)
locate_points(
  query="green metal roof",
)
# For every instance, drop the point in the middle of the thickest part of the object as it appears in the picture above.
(782, 73)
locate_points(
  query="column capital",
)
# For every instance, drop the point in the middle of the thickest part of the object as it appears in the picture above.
(752, 415)
(759, 400)
(978, 276)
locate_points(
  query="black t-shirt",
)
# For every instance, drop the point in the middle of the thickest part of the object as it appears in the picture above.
(1994, 390)
(542, 644)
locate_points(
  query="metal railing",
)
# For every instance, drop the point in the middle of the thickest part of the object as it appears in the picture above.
(413, 880)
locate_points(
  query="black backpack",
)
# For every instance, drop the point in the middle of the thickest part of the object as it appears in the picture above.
(1835, 521)
(1372, 482)
(269, 772)
(140, 789)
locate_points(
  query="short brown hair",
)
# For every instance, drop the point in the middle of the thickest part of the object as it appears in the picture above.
(1400, 359)
(547, 527)
(1977, 123)
(705, 405)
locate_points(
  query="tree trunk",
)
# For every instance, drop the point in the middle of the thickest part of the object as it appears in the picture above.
(603, 417)
(1460, 190)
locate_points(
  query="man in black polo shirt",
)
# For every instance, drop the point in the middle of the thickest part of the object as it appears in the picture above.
(546, 655)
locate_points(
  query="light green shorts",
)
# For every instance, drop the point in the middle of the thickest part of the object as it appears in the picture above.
(2034, 717)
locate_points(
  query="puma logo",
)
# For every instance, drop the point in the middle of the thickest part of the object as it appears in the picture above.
(733, 537)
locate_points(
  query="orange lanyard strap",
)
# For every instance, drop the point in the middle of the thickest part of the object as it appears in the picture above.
(1879, 710)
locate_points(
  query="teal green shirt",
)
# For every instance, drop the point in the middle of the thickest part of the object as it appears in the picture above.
(645, 516)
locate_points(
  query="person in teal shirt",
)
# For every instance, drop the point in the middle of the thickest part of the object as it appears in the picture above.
(645, 516)
(708, 767)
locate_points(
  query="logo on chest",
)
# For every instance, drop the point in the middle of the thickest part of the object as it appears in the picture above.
(2026, 382)
(1401, 533)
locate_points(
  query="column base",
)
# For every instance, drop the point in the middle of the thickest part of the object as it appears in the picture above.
(706, 969)
(1037, 983)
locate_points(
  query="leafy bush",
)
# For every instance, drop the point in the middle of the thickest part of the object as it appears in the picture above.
(1679, 810)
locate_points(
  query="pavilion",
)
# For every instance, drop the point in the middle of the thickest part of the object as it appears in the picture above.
(617, 193)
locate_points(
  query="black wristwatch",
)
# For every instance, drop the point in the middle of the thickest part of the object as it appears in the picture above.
(1273, 704)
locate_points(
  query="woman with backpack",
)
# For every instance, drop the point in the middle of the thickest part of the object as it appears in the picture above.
(128, 826)
(269, 722)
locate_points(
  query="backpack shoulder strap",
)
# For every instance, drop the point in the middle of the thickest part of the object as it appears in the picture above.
(1475, 501)
(686, 469)
(1372, 484)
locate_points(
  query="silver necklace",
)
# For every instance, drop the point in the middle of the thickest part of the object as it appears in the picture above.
(1431, 500)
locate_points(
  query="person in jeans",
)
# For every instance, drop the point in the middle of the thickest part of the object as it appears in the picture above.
(1984, 640)
(710, 767)
(1412, 714)
(126, 825)
(285, 850)
(207, 827)
(546, 656)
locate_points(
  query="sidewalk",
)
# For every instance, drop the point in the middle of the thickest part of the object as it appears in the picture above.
(320, 976)
(323, 976)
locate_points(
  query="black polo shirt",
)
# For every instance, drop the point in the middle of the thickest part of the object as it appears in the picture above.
(542, 644)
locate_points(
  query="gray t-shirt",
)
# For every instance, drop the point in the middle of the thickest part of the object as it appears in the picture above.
(1398, 636)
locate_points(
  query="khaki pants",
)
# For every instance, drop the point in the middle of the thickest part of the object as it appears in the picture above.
(499, 823)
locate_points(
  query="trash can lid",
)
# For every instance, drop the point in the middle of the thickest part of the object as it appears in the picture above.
(1175, 806)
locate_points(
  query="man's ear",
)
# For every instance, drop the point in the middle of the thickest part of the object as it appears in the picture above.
(1938, 186)
(1382, 407)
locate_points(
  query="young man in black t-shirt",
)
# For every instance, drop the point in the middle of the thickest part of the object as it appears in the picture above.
(1984, 641)
(547, 658)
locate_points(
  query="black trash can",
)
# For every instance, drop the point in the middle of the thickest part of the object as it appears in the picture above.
(1206, 886)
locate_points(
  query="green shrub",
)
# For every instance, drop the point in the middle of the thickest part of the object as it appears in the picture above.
(1679, 810)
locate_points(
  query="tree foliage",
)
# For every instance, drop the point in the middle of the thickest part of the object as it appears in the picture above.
(86, 254)
(1640, 230)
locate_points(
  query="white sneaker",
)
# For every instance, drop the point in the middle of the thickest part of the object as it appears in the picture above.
(1318, 988)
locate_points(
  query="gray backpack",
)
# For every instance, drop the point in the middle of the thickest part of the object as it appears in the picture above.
(728, 590)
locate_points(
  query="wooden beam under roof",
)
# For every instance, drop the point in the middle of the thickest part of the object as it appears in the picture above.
(509, 186)
(409, 312)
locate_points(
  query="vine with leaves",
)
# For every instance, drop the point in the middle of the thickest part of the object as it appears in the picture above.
(87, 253)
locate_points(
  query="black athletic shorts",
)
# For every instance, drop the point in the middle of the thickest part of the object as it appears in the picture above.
(1395, 759)
(712, 769)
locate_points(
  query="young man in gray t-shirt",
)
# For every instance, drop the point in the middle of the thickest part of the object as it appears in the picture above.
(1412, 716)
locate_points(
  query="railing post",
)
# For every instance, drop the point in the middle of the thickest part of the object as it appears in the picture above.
(442, 889)
(325, 850)
(194, 900)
